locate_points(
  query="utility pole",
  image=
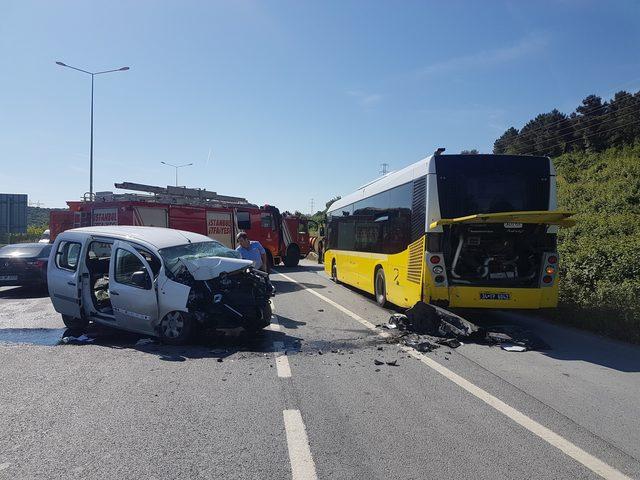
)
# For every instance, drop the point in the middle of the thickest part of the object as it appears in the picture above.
(384, 168)
(93, 74)
(311, 205)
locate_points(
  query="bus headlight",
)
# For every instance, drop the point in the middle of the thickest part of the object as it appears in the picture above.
(438, 269)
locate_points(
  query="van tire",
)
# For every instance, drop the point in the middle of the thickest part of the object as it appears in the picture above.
(380, 287)
(292, 258)
(175, 328)
(74, 323)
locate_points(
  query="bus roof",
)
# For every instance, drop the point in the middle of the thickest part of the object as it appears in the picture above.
(400, 177)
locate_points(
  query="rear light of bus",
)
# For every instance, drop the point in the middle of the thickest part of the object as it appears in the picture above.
(547, 279)
(434, 259)
(439, 279)
(552, 259)
(438, 269)
(550, 270)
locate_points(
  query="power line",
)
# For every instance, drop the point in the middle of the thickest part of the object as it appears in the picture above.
(605, 105)
(593, 119)
(582, 129)
(593, 135)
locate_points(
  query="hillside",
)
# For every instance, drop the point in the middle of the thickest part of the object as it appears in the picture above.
(600, 267)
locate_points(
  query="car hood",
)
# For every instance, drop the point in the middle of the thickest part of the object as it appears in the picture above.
(207, 268)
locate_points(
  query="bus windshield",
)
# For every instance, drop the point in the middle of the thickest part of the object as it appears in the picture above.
(470, 184)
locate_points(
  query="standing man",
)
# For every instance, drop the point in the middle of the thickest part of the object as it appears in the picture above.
(252, 250)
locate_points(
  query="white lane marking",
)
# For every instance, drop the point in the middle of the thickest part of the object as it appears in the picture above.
(282, 361)
(273, 305)
(302, 465)
(592, 463)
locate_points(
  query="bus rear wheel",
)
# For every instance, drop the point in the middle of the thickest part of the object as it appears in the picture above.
(380, 288)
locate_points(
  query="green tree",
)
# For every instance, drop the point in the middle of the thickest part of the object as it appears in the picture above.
(505, 143)
(473, 151)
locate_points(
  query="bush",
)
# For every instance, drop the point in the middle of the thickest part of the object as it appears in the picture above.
(600, 269)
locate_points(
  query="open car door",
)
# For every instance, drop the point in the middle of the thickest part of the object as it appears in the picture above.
(131, 289)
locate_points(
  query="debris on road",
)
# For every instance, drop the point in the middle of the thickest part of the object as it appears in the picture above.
(144, 341)
(426, 327)
(393, 363)
(378, 362)
(80, 340)
(510, 347)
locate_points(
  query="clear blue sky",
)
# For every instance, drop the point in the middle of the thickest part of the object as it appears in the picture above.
(294, 99)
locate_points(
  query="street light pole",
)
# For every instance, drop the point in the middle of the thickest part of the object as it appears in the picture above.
(93, 74)
(176, 167)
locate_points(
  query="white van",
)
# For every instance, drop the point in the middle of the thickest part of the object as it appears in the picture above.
(154, 281)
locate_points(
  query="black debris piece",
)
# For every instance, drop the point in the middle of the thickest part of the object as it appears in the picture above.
(380, 348)
(449, 342)
(393, 363)
(220, 360)
(377, 370)
(378, 362)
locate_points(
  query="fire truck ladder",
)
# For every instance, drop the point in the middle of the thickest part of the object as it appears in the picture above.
(191, 195)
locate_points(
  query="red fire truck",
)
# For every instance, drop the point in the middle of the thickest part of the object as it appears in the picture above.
(285, 237)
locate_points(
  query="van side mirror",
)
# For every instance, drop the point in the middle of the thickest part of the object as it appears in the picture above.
(141, 279)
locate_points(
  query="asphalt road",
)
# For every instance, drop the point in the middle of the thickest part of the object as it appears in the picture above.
(306, 399)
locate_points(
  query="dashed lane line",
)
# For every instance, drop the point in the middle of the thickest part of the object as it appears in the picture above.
(282, 361)
(565, 446)
(302, 465)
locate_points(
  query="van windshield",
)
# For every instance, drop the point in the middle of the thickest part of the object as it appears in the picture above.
(171, 255)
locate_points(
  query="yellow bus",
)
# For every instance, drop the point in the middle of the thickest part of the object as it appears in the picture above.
(452, 230)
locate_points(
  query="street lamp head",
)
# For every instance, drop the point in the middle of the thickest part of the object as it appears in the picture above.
(123, 69)
(165, 163)
(61, 64)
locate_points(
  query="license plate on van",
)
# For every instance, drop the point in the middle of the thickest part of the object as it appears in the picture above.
(8, 277)
(494, 296)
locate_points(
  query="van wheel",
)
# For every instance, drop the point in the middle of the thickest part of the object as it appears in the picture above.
(74, 323)
(334, 272)
(380, 287)
(175, 328)
(292, 257)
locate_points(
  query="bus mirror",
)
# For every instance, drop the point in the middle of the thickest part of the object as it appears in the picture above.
(321, 231)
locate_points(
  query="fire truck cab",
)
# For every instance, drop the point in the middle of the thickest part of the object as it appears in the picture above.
(285, 237)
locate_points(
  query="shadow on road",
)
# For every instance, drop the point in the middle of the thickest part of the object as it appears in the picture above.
(208, 344)
(284, 286)
(565, 343)
(17, 293)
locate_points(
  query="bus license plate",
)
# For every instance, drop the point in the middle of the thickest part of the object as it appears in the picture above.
(494, 296)
(512, 225)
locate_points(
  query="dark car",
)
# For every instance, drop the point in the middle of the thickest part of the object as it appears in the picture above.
(24, 264)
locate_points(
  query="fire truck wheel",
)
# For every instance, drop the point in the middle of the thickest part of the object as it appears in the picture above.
(293, 256)
(380, 286)
(75, 323)
(175, 328)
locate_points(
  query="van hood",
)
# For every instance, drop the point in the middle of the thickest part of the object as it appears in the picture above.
(207, 268)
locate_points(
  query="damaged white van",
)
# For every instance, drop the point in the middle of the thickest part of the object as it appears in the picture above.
(154, 281)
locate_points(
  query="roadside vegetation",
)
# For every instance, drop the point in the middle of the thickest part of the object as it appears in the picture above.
(596, 151)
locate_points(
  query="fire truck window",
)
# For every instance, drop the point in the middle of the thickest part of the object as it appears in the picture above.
(266, 220)
(302, 227)
(244, 220)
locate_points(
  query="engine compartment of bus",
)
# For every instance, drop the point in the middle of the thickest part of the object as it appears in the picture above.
(496, 254)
